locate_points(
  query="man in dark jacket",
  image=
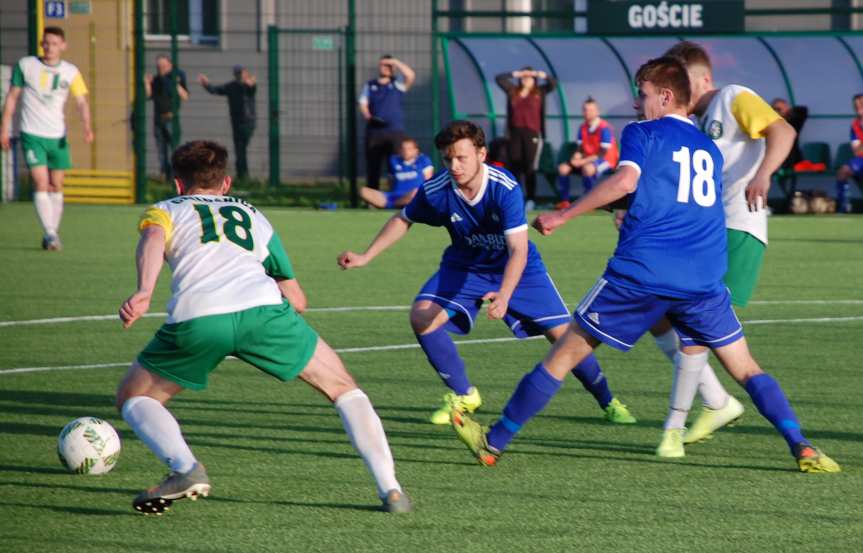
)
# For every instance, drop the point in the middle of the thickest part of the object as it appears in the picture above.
(241, 106)
(165, 110)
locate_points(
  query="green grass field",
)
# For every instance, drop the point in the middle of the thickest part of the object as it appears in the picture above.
(286, 479)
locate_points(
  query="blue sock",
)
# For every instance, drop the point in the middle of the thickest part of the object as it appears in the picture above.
(589, 373)
(530, 397)
(773, 405)
(843, 191)
(443, 356)
(563, 187)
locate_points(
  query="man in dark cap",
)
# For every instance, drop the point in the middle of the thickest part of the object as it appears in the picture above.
(241, 105)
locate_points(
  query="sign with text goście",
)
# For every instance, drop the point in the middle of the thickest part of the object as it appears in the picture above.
(664, 17)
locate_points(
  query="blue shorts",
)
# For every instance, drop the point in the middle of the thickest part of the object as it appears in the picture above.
(395, 195)
(602, 169)
(535, 306)
(856, 165)
(618, 316)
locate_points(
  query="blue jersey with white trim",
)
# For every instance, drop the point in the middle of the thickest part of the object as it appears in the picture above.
(673, 239)
(477, 227)
(407, 176)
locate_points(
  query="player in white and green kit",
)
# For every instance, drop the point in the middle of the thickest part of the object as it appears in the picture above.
(233, 293)
(43, 85)
(754, 141)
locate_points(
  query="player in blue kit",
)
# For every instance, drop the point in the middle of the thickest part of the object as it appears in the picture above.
(409, 169)
(490, 259)
(669, 261)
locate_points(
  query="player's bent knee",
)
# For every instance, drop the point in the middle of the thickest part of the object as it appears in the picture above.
(588, 170)
(564, 169)
(427, 316)
(141, 382)
(326, 373)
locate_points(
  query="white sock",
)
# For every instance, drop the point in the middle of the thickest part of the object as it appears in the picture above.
(57, 205)
(45, 211)
(668, 344)
(366, 432)
(715, 395)
(687, 369)
(159, 431)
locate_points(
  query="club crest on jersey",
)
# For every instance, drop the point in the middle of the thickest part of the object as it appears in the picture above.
(714, 129)
(455, 218)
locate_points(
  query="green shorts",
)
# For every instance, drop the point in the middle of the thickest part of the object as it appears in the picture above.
(39, 151)
(745, 256)
(273, 338)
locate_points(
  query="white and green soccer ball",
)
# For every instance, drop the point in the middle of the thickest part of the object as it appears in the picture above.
(88, 445)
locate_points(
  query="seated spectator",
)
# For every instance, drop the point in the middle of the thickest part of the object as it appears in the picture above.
(796, 117)
(595, 157)
(854, 167)
(409, 169)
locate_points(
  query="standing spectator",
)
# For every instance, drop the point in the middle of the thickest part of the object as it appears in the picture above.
(525, 123)
(595, 157)
(381, 105)
(43, 86)
(796, 117)
(241, 106)
(854, 166)
(159, 89)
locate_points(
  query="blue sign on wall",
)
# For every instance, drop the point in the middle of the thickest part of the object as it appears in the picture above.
(55, 9)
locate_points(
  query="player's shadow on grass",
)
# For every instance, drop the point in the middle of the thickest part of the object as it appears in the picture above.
(56, 486)
(285, 503)
(31, 470)
(328, 454)
(57, 398)
(90, 511)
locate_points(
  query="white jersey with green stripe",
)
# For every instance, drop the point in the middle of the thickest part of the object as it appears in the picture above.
(735, 119)
(45, 91)
(223, 254)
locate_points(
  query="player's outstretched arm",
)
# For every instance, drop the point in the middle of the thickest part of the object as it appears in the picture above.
(392, 231)
(293, 292)
(517, 244)
(779, 138)
(83, 107)
(618, 185)
(8, 112)
(149, 258)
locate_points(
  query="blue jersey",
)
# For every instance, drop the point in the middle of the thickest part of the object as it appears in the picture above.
(385, 103)
(407, 176)
(477, 227)
(673, 239)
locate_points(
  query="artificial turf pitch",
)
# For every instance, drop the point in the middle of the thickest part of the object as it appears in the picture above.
(285, 477)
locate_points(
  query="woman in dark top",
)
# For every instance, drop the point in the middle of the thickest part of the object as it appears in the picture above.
(525, 123)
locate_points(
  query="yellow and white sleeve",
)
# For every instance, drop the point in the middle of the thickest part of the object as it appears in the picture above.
(157, 216)
(77, 86)
(753, 114)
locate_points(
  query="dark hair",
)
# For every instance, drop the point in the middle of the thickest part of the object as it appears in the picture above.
(590, 100)
(386, 57)
(458, 130)
(667, 72)
(52, 30)
(857, 97)
(200, 163)
(690, 54)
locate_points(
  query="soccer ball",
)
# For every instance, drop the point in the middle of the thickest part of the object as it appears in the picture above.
(88, 445)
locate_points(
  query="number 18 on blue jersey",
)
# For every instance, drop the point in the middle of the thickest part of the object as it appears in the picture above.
(673, 239)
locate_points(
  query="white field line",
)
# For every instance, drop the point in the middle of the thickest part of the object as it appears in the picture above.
(349, 309)
(415, 346)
